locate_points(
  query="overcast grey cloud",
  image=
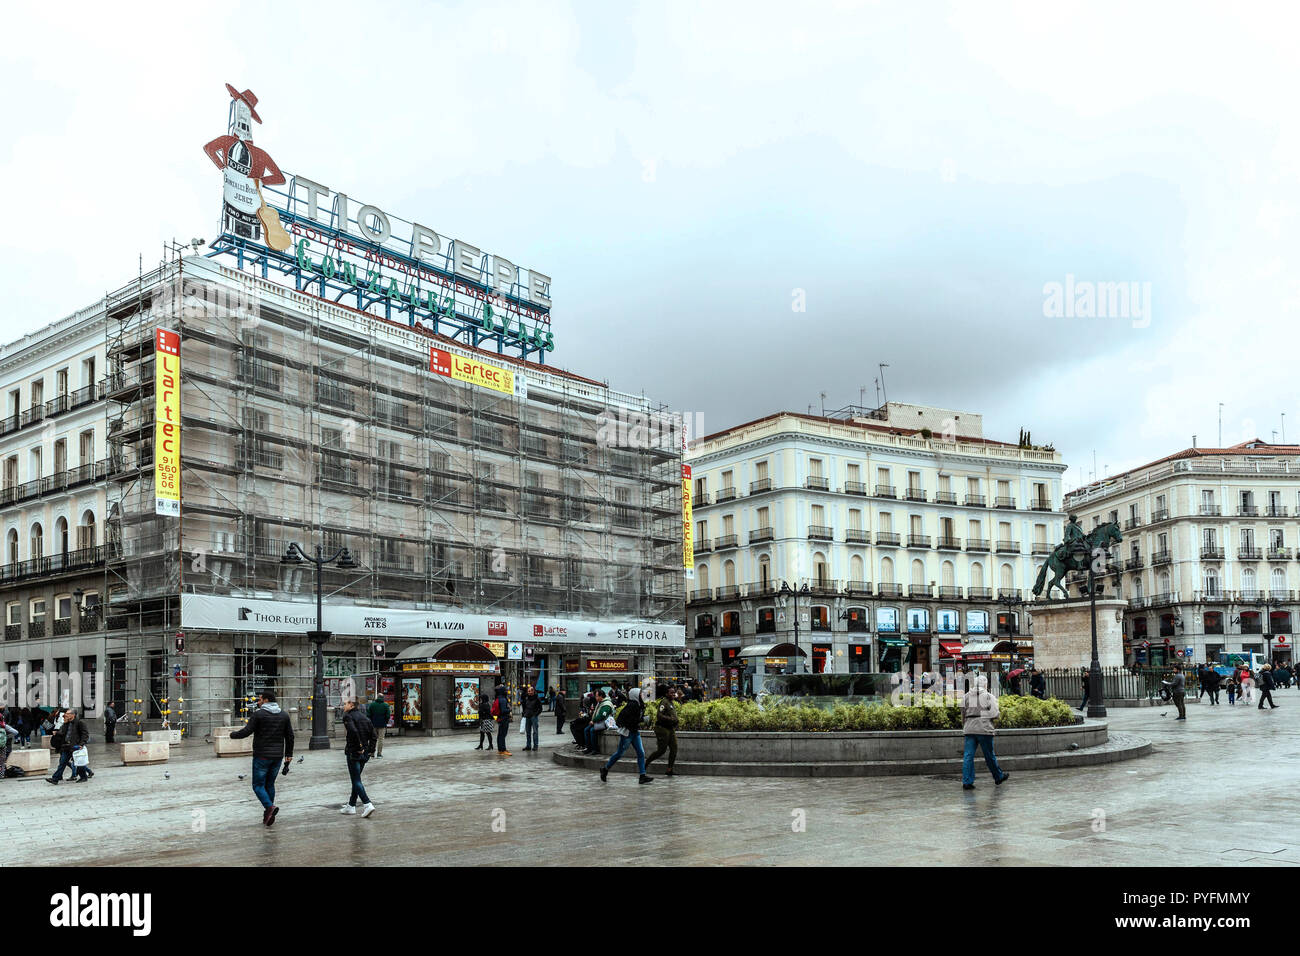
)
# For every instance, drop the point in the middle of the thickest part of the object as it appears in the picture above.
(918, 172)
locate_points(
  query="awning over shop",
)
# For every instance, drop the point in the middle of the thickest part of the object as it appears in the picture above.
(978, 647)
(785, 649)
(448, 657)
(950, 648)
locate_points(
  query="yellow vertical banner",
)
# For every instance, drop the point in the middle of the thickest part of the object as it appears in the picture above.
(688, 539)
(167, 423)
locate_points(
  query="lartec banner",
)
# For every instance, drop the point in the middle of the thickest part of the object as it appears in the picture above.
(474, 371)
(206, 612)
(167, 423)
(688, 540)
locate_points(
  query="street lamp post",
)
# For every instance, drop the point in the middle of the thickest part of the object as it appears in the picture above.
(1011, 601)
(295, 555)
(1267, 604)
(1096, 693)
(786, 592)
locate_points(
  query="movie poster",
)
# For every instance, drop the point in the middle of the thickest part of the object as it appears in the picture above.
(411, 701)
(386, 690)
(466, 699)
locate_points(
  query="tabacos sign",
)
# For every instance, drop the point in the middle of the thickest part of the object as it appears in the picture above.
(341, 247)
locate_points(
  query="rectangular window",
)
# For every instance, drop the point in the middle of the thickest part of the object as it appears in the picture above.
(38, 392)
(814, 467)
(760, 470)
(86, 447)
(855, 519)
(60, 456)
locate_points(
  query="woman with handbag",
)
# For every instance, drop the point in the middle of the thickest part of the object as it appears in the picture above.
(486, 726)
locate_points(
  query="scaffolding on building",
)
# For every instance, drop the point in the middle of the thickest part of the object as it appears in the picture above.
(305, 422)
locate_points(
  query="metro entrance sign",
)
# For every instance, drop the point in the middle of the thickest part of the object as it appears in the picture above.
(362, 257)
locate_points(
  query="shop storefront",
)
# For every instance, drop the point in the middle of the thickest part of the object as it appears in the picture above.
(761, 660)
(586, 673)
(893, 652)
(437, 684)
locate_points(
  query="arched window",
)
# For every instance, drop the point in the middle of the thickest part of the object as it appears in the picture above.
(1278, 583)
(1248, 579)
(765, 571)
(1164, 582)
(1008, 578)
(704, 625)
(38, 541)
(977, 575)
(856, 571)
(1137, 586)
(11, 546)
(61, 534)
(886, 571)
(702, 577)
(86, 530)
(1211, 582)
(821, 570)
(729, 574)
(947, 575)
(918, 573)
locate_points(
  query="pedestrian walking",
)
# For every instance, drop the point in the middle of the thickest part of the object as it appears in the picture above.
(110, 722)
(70, 735)
(1177, 687)
(272, 733)
(501, 711)
(1084, 679)
(362, 738)
(1211, 680)
(532, 714)
(604, 710)
(629, 729)
(1247, 681)
(486, 726)
(1231, 684)
(666, 730)
(1266, 684)
(560, 711)
(8, 734)
(379, 712)
(1038, 685)
(979, 709)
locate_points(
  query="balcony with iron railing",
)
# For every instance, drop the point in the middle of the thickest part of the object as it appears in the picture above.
(1040, 504)
(945, 498)
(1211, 553)
(1133, 563)
(1001, 502)
(725, 494)
(948, 544)
(1135, 603)
(1276, 511)
(889, 590)
(1132, 523)
(724, 541)
(1008, 547)
(726, 592)
(1251, 596)
(1279, 554)
(702, 498)
(890, 538)
(949, 593)
(1164, 598)
(918, 591)
(823, 585)
(976, 501)
(820, 532)
(13, 632)
(854, 588)
(855, 488)
(1247, 511)
(980, 594)
(857, 536)
(885, 491)
(916, 494)
(813, 483)
(978, 544)
(760, 588)
(703, 545)
(1211, 511)
(761, 534)
(702, 594)
(1042, 547)
(760, 486)
(1217, 596)
(1008, 594)
(1161, 514)
(918, 541)
(1161, 557)
(1249, 554)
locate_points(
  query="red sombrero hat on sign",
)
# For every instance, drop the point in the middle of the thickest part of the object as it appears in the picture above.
(249, 100)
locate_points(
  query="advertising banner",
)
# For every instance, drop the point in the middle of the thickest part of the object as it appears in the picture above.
(386, 691)
(466, 700)
(215, 613)
(605, 664)
(411, 701)
(167, 423)
(473, 371)
(688, 540)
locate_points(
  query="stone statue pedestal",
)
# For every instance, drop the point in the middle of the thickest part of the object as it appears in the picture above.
(1063, 633)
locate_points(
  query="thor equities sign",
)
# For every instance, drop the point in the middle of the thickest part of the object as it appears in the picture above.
(207, 612)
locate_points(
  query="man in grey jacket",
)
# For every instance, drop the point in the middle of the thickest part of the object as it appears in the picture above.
(979, 709)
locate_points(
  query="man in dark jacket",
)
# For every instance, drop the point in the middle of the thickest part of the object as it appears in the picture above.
(1210, 681)
(69, 734)
(629, 728)
(532, 714)
(272, 742)
(1038, 684)
(360, 745)
(1266, 684)
(502, 706)
(379, 711)
(560, 713)
(110, 722)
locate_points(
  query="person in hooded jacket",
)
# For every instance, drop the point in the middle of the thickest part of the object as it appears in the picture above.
(502, 704)
(1266, 684)
(629, 728)
(360, 747)
(558, 707)
(272, 733)
(979, 709)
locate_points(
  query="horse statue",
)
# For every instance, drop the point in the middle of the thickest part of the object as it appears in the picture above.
(1075, 554)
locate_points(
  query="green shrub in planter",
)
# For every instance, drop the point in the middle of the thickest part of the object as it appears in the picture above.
(729, 714)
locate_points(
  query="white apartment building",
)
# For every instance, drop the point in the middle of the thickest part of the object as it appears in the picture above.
(1208, 559)
(53, 472)
(905, 523)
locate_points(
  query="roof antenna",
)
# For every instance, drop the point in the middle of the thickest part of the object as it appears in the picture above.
(884, 366)
(824, 407)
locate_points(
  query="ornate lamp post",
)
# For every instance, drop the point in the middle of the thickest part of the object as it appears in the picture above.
(1266, 612)
(1096, 692)
(786, 593)
(295, 555)
(1011, 600)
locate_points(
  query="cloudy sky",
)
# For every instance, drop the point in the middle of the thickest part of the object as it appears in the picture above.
(917, 174)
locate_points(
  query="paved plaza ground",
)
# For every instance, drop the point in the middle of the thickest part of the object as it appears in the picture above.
(1217, 790)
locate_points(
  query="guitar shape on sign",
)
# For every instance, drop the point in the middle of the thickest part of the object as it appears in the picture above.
(245, 214)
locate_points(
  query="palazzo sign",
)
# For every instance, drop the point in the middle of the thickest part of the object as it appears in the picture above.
(351, 252)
